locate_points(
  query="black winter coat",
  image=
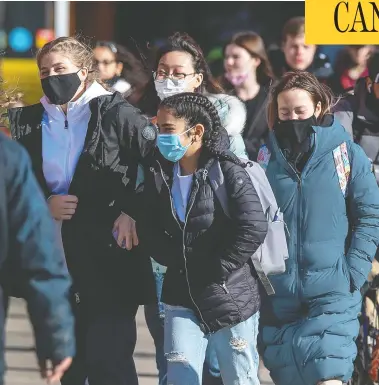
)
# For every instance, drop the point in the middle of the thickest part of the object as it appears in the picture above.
(118, 137)
(209, 256)
(256, 129)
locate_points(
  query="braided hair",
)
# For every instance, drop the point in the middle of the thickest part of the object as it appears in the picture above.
(196, 109)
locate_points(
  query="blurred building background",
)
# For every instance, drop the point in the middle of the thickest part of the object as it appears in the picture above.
(26, 25)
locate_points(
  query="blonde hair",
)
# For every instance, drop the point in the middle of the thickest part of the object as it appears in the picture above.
(76, 50)
(303, 80)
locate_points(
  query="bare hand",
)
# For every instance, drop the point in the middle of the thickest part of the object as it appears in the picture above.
(54, 372)
(63, 207)
(126, 229)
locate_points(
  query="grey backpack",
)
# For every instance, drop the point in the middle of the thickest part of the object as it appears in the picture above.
(270, 257)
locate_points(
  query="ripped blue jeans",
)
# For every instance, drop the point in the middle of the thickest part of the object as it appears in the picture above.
(154, 316)
(185, 347)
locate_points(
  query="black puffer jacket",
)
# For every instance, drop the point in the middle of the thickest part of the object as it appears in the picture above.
(209, 256)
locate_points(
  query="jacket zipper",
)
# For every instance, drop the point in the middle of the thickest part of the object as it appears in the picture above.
(298, 220)
(68, 181)
(168, 187)
(183, 236)
(223, 285)
(299, 212)
(185, 257)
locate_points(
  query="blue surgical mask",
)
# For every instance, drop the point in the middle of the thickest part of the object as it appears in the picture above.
(170, 147)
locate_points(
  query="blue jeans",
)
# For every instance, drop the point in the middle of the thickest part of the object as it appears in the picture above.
(185, 349)
(154, 316)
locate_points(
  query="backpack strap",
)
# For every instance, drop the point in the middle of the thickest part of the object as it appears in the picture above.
(262, 275)
(342, 163)
(264, 156)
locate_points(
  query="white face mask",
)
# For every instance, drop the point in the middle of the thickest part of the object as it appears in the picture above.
(169, 87)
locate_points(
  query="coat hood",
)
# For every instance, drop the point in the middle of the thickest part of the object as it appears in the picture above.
(328, 135)
(232, 112)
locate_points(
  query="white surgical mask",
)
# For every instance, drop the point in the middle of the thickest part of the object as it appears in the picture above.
(169, 87)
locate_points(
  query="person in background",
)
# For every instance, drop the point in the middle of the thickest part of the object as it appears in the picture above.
(351, 65)
(32, 265)
(359, 113)
(181, 228)
(110, 66)
(296, 55)
(179, 67)
(120, 70)
(248, 75)
(324, 185)
(85, 144)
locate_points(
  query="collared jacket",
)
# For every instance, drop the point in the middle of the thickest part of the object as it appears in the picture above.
(117, 139)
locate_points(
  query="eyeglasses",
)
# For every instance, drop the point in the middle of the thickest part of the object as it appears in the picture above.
(108, 44)
(161, 76)
(104, 62)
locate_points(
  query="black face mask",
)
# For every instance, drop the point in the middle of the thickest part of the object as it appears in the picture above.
(60, 89)
(295, 133)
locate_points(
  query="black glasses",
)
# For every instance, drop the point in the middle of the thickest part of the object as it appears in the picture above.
(162, 75)
(108, 44)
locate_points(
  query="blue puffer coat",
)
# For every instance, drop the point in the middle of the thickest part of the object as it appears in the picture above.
(309, 326)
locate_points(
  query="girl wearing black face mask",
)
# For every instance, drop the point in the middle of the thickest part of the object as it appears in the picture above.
(85, 144)
(324, 185)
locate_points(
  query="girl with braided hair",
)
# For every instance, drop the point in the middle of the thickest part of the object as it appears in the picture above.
(210, 290)
(180, 66)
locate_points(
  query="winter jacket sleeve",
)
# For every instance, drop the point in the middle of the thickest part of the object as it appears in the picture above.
(41, 270)
(137, 139)
(363, 200)
(249, 224)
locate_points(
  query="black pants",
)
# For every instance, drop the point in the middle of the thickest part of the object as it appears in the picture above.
(105, 345)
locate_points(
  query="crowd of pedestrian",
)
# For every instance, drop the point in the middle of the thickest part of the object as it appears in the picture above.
(241, 211)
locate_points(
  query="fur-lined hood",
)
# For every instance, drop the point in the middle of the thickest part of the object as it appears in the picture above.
(232, 112)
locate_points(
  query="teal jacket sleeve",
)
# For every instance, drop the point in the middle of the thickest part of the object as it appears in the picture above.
(363, 204)
(41, 269)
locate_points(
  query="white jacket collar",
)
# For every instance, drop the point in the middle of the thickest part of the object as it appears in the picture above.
(74, 109)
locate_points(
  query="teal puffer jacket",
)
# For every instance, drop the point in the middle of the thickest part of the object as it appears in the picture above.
(310, 324)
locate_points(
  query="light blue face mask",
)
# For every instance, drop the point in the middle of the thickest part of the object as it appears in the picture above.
(170, 147)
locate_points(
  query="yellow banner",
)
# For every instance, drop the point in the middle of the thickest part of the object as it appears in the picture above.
(341, 22)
